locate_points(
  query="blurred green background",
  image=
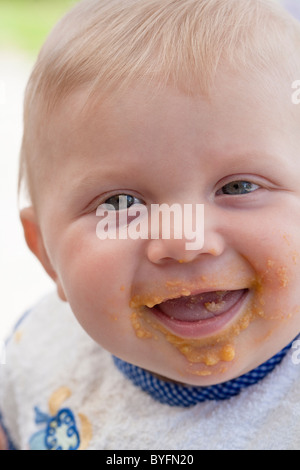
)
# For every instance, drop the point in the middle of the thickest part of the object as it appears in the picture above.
(25, 24)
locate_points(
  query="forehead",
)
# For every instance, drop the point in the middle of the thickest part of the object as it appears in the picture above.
(242, 116)
(232, 97)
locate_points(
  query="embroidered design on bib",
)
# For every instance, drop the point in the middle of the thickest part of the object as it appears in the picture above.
(60, 431)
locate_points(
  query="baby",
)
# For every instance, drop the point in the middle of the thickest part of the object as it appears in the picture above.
(151, 342)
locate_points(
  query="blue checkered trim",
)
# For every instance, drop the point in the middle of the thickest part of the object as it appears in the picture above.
(181, 395)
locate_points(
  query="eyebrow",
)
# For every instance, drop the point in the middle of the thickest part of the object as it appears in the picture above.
(104, 172)
(102, 180)
(98, 177)
(261, 161)
(89, 179)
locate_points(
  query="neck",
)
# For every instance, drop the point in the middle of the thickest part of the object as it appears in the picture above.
(177, 394)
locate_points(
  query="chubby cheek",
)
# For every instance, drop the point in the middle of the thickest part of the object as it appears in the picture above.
(276, 262)
(96, 278)
(274, 256)
(274, 317)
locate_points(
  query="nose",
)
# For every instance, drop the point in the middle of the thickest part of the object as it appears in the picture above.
(163, 250)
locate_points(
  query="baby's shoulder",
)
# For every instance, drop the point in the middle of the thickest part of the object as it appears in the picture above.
(48, 335)
(45, 316)
(49, 372)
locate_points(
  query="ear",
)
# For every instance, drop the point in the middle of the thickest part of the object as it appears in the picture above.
(34, 240)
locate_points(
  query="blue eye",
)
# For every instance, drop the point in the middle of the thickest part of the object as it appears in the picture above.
(120, 202)
(237, 188)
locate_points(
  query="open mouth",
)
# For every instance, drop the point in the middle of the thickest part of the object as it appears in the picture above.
(200, 314)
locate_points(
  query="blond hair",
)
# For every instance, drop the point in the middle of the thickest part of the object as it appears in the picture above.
(106, 45)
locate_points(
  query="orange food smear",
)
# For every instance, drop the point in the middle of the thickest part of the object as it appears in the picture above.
(140, 331)
(219, 348)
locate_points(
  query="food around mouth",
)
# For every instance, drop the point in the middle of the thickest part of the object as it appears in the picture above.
(204, 325)
(195, 324)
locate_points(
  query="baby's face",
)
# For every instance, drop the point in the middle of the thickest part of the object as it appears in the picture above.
(197, 316)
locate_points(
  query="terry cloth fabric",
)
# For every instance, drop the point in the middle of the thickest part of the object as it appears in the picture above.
(60, 390)
(179, 395)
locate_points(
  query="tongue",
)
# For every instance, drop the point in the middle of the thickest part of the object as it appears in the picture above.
(201, 306)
